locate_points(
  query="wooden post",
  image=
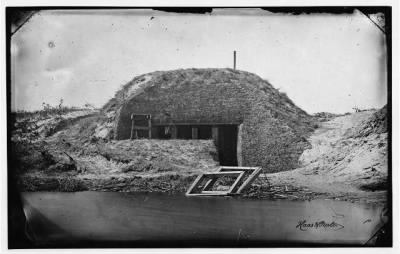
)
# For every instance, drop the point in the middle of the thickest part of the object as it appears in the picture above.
(239, 152)
(214, 133)
(149, 125)
(195, 132)
(234, 60)
(132, 126)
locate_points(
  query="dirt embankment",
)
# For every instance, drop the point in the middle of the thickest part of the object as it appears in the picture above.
(81, 156)
(348, 159)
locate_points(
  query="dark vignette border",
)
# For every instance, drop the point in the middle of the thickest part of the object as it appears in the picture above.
(16, 235)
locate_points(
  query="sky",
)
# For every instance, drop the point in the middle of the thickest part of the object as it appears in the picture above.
(323, 62)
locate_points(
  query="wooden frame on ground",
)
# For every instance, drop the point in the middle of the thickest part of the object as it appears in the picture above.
(253, 172)
(246, 175)
(214, 177)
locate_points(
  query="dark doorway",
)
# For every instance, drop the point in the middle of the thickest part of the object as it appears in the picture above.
(205, 132)
(227, 145)
(184, 132)
(162, 132)
(225, 137)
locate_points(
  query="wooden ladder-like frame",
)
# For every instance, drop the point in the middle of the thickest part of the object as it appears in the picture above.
(135, 127)
(245, 176)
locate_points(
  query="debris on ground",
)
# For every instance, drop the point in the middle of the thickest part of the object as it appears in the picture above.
(347, 159)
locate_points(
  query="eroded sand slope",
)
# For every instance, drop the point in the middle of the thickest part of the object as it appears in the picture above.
(348, 158)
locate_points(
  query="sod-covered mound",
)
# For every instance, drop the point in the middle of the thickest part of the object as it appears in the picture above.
(273, 131)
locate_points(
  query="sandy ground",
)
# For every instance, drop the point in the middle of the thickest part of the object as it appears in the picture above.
(73, 152)
(347, 160)
(340, 165)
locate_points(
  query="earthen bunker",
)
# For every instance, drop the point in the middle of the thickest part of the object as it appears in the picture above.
(251, 122)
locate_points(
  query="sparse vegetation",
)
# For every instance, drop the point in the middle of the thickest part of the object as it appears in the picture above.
(62, 148)
(61, 162)
(348, 158)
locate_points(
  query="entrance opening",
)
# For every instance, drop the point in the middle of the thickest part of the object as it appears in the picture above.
(227, 145)
(184, 132)
(225, 137)
(205, 132)
(162, 132)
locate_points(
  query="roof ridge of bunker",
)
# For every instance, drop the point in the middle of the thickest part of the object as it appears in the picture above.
(271, 129)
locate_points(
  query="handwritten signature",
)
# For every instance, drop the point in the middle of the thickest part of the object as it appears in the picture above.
(303, 225)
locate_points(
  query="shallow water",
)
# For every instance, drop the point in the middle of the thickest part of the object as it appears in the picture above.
(113, 216)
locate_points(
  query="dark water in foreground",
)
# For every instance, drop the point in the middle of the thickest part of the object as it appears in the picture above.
(110, 216)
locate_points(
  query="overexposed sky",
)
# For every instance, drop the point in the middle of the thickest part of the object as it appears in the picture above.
(323, 62)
